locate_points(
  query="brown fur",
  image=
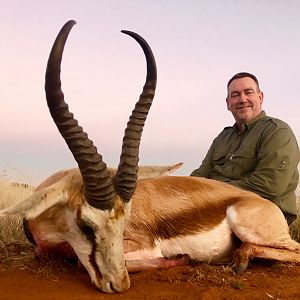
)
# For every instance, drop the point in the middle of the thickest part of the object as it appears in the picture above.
(153, 202)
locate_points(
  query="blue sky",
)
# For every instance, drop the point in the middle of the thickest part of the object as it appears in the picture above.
(198, 46)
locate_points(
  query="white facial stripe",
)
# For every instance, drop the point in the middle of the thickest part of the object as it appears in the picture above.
(84, 249)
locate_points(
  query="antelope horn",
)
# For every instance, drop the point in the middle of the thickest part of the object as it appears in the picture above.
(98, 186)
(126, 176)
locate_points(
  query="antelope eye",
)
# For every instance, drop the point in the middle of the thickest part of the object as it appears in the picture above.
(87, 230)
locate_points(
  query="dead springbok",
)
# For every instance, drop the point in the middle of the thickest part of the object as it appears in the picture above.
(12, 227)
(120, 224)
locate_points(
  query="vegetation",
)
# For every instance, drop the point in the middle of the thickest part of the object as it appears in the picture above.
(295, 226)
(11, 228)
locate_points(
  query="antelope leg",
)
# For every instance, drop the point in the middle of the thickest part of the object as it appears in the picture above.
(247, 251)
(156, 263)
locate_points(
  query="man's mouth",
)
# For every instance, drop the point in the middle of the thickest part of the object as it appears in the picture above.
(243, 107)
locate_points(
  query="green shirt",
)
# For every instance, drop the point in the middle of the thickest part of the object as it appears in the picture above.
(262, 159)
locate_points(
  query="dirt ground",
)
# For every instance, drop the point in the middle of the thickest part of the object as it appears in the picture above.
(23, 276)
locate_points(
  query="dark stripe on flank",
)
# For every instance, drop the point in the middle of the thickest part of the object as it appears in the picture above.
(188, 221)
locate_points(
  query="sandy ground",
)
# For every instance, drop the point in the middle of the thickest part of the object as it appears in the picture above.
(23, 276)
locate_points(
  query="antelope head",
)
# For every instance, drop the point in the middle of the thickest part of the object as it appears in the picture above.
(90, 208)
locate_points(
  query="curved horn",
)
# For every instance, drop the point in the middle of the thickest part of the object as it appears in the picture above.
(98, 186)
(125, 179)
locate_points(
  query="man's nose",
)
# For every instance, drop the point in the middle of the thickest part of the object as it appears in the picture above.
(243, 97)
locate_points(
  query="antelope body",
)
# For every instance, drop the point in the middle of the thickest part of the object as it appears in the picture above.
(119, 224)
(172, 216)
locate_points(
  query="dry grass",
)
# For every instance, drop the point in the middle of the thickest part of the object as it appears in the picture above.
(295, 226)
(15, 250)
(22, 256)
(11, 228)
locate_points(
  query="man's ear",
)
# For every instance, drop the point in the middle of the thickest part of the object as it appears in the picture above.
(227, 103)
(261, 97)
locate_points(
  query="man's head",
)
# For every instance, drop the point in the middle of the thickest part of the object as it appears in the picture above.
(244, 98)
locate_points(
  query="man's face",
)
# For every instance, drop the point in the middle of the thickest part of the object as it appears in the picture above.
(244, 100)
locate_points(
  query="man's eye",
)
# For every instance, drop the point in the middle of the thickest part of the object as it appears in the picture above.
(234, 95)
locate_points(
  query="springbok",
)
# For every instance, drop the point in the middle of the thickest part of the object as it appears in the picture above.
(121, 224)
(12, 226)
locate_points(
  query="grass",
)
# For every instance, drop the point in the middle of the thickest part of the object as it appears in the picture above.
(11, 228)
(295, 226)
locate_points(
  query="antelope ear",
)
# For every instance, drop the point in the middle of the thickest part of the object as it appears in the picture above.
(173, 168)
(156, 171)
(38, 202)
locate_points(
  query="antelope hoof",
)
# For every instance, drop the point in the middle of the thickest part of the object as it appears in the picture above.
(240, 267)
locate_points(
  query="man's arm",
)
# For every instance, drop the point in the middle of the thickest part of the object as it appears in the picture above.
(206, 166)
(278, 159)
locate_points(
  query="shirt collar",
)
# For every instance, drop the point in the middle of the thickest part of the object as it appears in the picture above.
(249, 125)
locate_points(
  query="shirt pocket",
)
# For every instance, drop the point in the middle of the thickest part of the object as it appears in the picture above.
(245, 161)
(219, 158)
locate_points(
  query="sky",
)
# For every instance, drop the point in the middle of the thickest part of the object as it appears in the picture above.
(198, 46)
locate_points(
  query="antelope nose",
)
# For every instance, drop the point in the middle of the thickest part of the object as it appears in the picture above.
(117, 284)
(122, 285)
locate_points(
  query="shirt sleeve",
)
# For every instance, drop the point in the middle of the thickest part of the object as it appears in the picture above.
(278, 158)
(206, 166)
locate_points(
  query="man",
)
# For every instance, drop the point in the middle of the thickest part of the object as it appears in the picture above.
(258, 153)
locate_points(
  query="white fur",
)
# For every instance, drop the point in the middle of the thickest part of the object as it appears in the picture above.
(215, 244)
(144, 254)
